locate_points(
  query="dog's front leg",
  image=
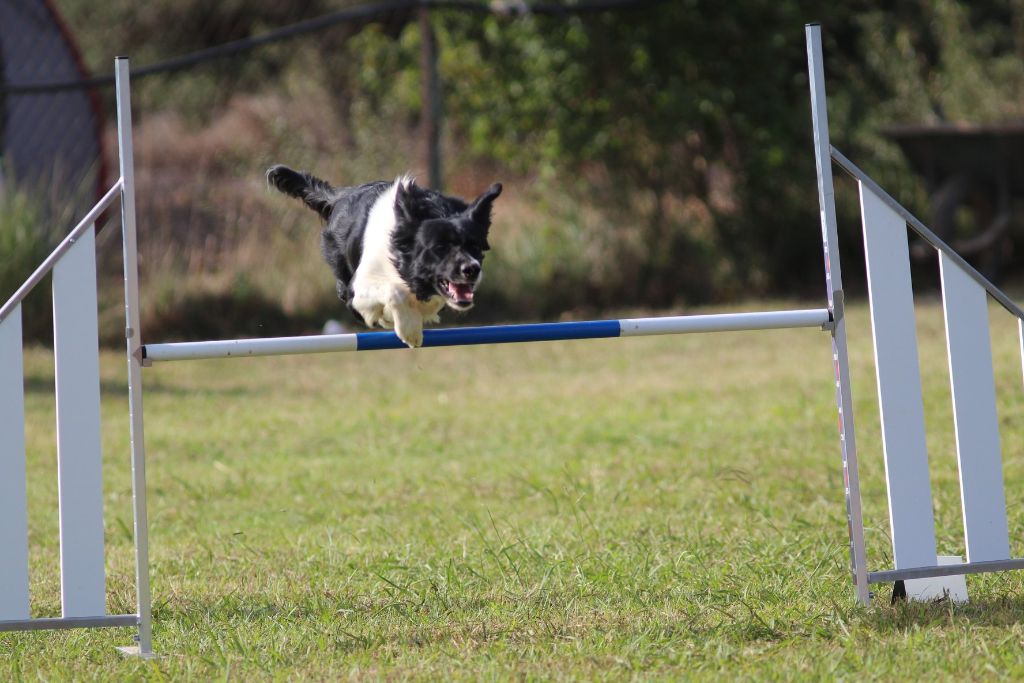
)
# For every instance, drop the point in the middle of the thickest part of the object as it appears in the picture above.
(408, 322)
(370, 307)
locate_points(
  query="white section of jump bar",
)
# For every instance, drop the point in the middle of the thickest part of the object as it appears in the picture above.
(276, 346)
(232, 348)
(724, 322)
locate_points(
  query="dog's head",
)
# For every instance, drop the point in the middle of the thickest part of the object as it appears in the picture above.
(440, 242)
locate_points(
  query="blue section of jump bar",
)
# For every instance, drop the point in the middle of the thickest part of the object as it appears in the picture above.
(498, 334)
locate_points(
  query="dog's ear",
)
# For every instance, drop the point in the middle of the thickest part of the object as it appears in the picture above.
(480, 209)
(410, 204)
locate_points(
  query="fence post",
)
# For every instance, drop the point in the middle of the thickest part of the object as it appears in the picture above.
(431, 99)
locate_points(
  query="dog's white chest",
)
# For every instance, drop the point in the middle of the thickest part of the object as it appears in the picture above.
(380, 307)
(431, 308)
(379, 293)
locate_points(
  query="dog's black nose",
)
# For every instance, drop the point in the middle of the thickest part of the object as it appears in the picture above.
(470, 270)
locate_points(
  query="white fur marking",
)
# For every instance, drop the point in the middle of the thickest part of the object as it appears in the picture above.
(379, 293)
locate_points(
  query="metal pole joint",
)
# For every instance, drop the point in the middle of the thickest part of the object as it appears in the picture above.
(836, 312)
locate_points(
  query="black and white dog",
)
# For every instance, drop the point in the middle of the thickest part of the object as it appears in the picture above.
(400, 252)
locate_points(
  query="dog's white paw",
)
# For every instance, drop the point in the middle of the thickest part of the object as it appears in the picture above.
(373, 316)
(412, 338)
(409, 328)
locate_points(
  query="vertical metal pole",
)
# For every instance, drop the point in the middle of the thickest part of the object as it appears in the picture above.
(834, 285)
(134, 344)
(431, 99)
(1020, 336)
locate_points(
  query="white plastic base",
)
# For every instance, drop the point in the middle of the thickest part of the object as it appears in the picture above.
(937, 587)
(133, 651)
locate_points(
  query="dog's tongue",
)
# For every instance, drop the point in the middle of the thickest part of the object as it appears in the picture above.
(460, 292)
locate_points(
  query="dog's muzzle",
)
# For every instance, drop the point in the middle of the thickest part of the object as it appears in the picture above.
(459, 294)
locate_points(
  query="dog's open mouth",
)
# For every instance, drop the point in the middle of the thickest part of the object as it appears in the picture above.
(459, 294)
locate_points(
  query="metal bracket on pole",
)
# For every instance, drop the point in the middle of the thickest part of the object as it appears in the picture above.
(836, 312)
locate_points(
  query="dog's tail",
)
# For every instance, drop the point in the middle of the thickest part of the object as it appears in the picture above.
(316, 193)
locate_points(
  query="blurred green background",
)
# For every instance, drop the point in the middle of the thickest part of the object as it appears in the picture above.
(655, 157)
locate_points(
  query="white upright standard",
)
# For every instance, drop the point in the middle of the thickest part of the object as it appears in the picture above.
(79, 456)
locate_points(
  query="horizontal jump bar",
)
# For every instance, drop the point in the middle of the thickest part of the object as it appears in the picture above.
(495, 334)
(69, 622)
(891, 575)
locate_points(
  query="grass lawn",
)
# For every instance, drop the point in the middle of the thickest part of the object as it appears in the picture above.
(657, 508)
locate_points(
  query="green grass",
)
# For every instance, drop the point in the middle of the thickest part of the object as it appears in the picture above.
(657, 508)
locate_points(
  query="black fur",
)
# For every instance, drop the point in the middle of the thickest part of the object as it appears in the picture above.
(315, 192)
(437, 239)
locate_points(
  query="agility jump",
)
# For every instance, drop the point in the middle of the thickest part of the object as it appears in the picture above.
(884, 221)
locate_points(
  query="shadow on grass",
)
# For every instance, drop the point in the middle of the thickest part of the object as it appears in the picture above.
(45, 385)
(235, 614)
(901, 616)
(345, 625)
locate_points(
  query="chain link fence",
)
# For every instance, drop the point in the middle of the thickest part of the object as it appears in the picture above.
(49, 139)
